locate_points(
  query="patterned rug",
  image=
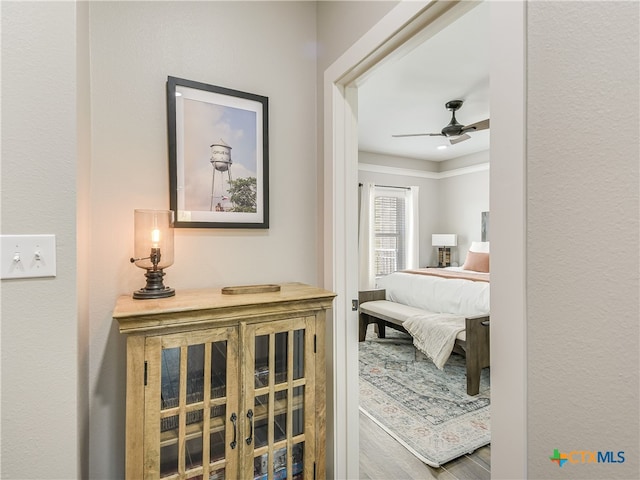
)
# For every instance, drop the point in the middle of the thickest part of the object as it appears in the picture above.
(425, 409)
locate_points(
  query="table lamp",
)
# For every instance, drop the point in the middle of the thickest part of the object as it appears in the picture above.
(153, 250)
(444, 241)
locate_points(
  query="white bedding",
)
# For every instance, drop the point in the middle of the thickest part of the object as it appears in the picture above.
(437, 295)
(446, 302)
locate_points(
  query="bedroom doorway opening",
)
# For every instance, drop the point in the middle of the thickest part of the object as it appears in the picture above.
(403, 28)
(451, 179)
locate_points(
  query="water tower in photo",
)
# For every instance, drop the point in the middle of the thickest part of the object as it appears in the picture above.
(221, 161)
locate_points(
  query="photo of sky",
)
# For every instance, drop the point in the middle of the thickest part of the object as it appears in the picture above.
(205, 124)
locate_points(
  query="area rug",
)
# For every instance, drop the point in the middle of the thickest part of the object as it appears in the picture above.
(425, 409)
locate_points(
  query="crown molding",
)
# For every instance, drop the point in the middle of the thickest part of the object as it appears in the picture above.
(407, 172)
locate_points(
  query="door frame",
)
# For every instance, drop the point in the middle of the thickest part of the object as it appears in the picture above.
(408, 24)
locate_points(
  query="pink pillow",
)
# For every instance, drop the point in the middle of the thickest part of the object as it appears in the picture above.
(477, 262)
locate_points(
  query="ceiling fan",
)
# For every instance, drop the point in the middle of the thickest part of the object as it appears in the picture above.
(454, 131)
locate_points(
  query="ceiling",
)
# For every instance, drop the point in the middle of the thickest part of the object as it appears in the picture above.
(408, 94)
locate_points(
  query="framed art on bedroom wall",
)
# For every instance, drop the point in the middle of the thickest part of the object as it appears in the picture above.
(218, 156)
(485, 226)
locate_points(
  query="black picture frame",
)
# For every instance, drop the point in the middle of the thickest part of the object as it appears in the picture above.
(218, 156)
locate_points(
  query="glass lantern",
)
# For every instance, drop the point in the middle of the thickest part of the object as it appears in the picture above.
(153, 250)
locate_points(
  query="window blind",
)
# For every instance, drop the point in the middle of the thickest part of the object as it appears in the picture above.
(390, 231)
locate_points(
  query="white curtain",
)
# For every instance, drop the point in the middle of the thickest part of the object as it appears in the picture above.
(367, 277)
(366, 237)
(413, 228)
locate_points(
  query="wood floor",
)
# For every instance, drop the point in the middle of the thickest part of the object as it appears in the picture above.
(383, 458)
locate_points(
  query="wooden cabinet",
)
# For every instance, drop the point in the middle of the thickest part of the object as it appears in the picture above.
(226, 386)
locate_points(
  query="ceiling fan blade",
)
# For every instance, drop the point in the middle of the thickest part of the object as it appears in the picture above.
(459, 139)
(481, 125)
(419, 135)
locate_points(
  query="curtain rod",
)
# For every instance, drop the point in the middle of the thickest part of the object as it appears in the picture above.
(388, 186)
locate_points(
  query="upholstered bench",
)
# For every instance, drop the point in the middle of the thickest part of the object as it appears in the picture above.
(472, 342)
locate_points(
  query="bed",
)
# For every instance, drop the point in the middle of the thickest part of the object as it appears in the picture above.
(445, 310)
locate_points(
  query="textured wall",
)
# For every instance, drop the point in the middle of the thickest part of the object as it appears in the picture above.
(583, 184)
(118, 157)
(267, 48)
(39, 320)
(582, 236)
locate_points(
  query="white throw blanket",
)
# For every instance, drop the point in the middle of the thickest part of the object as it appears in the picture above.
(434, 334)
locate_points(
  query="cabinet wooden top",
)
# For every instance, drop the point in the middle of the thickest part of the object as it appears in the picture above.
(190, 303)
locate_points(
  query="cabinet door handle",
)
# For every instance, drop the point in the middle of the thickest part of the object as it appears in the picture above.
(250, 417)
(234, 419)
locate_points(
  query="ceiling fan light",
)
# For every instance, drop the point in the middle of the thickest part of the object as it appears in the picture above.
(454, 131)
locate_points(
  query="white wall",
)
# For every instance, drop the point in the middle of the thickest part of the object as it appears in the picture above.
(118, 157)
(260, 47)
(582, 188)
(582, 329)
(428, 202)
(339, 25)
(452, 197)
(83, 228)
(462, 198)
(40, 414)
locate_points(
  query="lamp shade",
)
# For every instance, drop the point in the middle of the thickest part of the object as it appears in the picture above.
(444, 240)
(153, 231)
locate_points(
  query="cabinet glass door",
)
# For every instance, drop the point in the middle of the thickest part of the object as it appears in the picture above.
(191, 403)
(279, 403)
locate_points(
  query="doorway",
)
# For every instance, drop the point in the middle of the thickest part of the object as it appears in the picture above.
(407, 95)
(402, 28)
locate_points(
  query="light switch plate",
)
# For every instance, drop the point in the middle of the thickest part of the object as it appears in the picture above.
(28, 256)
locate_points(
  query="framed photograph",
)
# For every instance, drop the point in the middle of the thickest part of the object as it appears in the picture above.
(484, 228)
(218, 156)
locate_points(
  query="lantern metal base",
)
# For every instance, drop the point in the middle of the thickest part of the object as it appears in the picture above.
(155, 287)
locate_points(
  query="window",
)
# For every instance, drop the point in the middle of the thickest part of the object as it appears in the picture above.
(390, 231)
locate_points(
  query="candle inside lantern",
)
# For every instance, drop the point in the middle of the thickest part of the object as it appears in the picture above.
(153, 232)
(155, 238)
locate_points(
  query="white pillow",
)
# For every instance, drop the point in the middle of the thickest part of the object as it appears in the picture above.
(479, 247)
